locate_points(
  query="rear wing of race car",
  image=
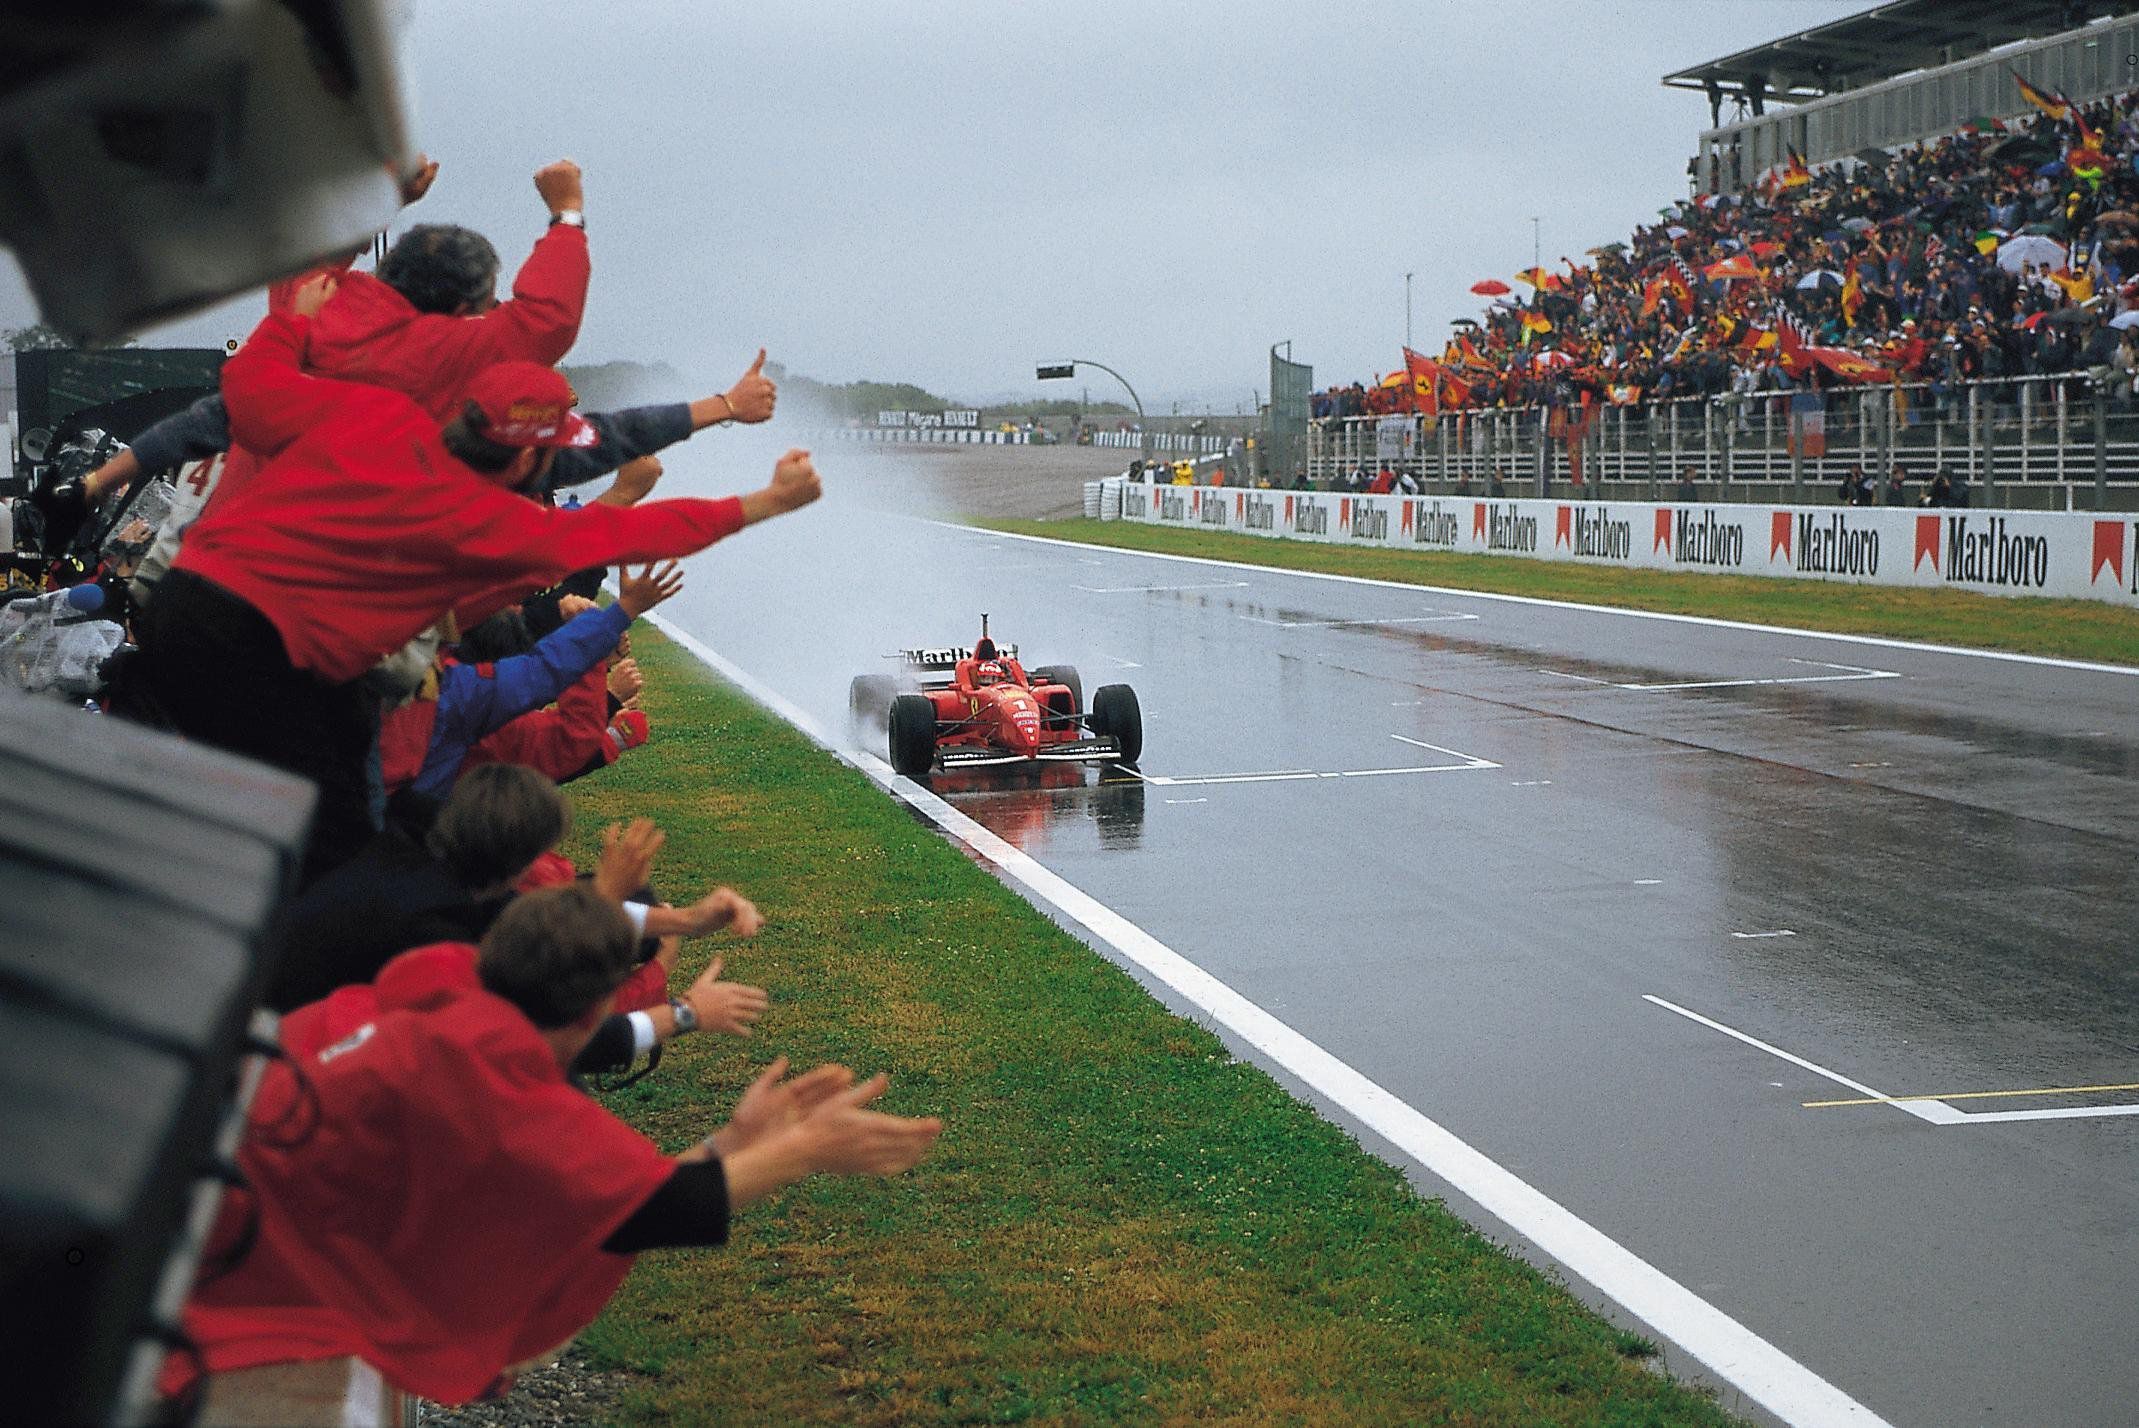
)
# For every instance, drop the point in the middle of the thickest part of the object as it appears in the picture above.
(933, 668)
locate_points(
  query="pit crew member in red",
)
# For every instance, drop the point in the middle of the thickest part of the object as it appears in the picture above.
(368, 523)
(458, 1206)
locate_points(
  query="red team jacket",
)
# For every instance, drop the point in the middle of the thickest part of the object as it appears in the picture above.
(362, 529)
(370, 333)
(441, 1213)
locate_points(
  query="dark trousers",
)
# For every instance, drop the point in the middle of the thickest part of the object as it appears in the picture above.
(213, 668)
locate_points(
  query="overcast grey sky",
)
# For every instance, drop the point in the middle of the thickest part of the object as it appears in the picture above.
(947, 193)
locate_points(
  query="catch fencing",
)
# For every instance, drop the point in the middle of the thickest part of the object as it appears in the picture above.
(2071, 554)
(2042, 443)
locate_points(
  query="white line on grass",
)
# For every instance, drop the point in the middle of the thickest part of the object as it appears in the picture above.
(1881, 641)
(1733, 1352)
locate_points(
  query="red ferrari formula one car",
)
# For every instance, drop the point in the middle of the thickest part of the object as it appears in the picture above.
(962, 708)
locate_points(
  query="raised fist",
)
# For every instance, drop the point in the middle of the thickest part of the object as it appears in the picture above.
(559, 186)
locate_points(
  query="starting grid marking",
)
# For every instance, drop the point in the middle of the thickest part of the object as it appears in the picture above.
(1930, 1109)
(1469, 762)
(1851, 672)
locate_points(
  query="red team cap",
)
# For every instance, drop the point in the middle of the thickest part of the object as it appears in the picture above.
(528, 404)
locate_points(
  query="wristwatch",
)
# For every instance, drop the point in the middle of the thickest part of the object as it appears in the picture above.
(686, 1018)
(570, 218)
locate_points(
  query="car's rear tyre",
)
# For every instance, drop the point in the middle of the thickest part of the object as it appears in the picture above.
(913, 734)
(869, 698)
(1058, 717)
(1115, 713)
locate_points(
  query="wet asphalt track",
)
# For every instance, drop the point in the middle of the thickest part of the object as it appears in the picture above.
(1915, 870)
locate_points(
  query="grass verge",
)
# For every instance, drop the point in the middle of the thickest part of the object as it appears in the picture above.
(1121, 1223)
(2070, 629)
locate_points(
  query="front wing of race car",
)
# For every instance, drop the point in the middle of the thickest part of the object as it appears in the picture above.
(1100, 748)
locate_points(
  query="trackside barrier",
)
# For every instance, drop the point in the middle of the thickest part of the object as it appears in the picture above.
(928, 435)
(2073, 554)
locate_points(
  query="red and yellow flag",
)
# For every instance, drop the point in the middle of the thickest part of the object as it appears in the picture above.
(1425, 377)
(1535, 321)
(1852, 296)
(1795, 174)
(1678, 281)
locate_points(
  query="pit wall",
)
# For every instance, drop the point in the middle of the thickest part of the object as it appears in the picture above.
(2075, 555)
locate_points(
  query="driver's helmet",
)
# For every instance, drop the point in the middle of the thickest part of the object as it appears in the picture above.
(988, 672)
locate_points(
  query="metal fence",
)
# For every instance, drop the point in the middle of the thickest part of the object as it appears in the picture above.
(1171, 442)
(2034, 442)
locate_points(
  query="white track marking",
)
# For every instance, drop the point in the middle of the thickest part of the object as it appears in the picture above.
(1121, 663)
(1741, 1358)
(1754, 936)
(1337, 624)
(2053, 1113)
(1938, 1113)
(1877, 641)
(1159, 589)
(1472, 761)
(1301, 775)
(1648, 882)
(1854, 671)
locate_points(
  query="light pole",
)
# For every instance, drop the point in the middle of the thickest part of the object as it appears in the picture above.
(1049, 371)
(1536, 249)
(1407, 312)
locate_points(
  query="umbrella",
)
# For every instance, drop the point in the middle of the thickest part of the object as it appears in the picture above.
(1859, 225)
(2125, 320)
(1766, 249)
(1491, 287)
(2055, 166)
(2023, 149)
(1877, 158)
(2048, 230)
(2029, 248)
(1602, 248)
(2068, 316)
(1674, 231)
(1464, 322)
(1820, 278)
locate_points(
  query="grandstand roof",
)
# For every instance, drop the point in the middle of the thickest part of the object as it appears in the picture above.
(1887, 40)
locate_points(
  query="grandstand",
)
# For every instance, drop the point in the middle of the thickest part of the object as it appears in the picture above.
(1846, 286)
(1901, 73)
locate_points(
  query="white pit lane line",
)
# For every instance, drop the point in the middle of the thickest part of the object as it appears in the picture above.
(1734, 1353)
(1850, 672)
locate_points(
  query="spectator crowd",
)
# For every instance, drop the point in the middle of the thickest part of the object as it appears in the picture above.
(2001, 250)
(366, 561)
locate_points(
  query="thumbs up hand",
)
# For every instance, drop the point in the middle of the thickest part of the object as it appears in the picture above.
(752, 397)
